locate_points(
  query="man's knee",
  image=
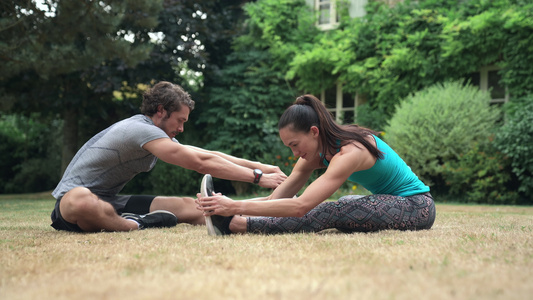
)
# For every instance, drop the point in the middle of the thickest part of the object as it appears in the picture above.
(189, 201)
(171, 203)
(78, 201)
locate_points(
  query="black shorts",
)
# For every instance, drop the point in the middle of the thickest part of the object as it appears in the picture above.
(138, 204)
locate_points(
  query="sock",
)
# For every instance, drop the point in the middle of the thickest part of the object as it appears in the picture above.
(138, 224)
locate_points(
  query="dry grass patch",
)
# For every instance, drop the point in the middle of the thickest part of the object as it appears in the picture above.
(472, 252)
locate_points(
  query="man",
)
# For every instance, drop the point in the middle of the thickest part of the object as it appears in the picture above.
(87, 195)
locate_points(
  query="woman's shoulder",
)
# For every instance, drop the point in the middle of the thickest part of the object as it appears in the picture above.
(356, 154)
(353, 145)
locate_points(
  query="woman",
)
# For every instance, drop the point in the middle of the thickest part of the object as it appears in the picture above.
(399, 199)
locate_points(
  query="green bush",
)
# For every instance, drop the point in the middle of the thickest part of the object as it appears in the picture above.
(29, 157)
(481, 175)
(244, 109)
(165, 180)
(438, 124)
(515, 139)
(371, 118)
(11, 143)
(169, 179)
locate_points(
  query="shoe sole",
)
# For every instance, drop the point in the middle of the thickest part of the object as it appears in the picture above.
(150, 213)
(206, 189)
(124, 215)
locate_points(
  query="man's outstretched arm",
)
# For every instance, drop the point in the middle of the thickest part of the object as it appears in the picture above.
(266, 168)
(203, 161)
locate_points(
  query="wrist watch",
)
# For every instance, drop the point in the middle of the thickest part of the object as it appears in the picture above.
(257, 175)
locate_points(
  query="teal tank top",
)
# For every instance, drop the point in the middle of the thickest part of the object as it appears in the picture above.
(390, 175)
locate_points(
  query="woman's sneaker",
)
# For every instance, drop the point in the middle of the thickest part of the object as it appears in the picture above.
(216, 225)
(220, 225)
(157, 218)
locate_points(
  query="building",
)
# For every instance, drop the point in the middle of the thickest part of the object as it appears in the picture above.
(344, 105)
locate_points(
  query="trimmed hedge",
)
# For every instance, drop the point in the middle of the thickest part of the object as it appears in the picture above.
(437, 125)
(515, 139)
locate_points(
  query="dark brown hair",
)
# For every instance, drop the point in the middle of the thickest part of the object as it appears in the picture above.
(308, 111)
(170, 96)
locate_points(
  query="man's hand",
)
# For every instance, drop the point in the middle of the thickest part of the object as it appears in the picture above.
(270, 169)
(272, 180)
(272, 176)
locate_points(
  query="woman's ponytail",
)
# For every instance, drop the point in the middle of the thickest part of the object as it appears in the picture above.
(307, 111)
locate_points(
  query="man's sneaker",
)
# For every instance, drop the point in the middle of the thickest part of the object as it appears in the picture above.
(216, 225)
(157, 218)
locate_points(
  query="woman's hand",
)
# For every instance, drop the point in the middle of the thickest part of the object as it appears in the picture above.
(216, 205)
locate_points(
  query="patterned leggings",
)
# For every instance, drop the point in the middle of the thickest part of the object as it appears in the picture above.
(354, 213)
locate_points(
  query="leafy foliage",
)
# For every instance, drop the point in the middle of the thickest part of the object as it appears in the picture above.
(494, 32)
(29, 161)
(72, 35)
(244, 111)
(481, 175)
(251, 92)
(165, 179)
(395, 51)
(437, 125)
(385, 55)
(52, 56)
(69, 63)
(282, 27)
(515, 139)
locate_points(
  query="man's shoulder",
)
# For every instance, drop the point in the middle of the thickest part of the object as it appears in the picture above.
(138, 129)
(137, 119)
(135, 123)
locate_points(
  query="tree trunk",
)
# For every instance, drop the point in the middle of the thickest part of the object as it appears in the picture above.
(70, 137)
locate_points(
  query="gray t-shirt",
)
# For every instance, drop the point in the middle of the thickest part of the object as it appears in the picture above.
(112, 158)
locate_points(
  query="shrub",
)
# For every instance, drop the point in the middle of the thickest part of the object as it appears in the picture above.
(481, 175)
(168, 179)
(371, 118)
(29, 158)
(437, 125)
(165, 180)
(515, 139)
(11, 144)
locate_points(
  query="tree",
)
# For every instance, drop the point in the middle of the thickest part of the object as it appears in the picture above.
(94, 73)
(250, 92)
(197, 40)
(47, 51)
(194, 39)
(72, 71)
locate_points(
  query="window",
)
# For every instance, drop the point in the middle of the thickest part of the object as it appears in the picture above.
(392, 3)
(327, 14)
(488, 79)
(327, 11)
(343, 106)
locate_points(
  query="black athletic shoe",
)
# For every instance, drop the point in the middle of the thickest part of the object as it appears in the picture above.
(216, 225)
(157, 218)
(220, 225)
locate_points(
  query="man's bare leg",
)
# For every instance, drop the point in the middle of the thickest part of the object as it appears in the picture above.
(80, 206)
(183, 207)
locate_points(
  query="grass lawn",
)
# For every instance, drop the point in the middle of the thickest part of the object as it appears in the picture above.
(472, 252)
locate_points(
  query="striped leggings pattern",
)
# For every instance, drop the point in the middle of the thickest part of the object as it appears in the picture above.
(354, 213)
